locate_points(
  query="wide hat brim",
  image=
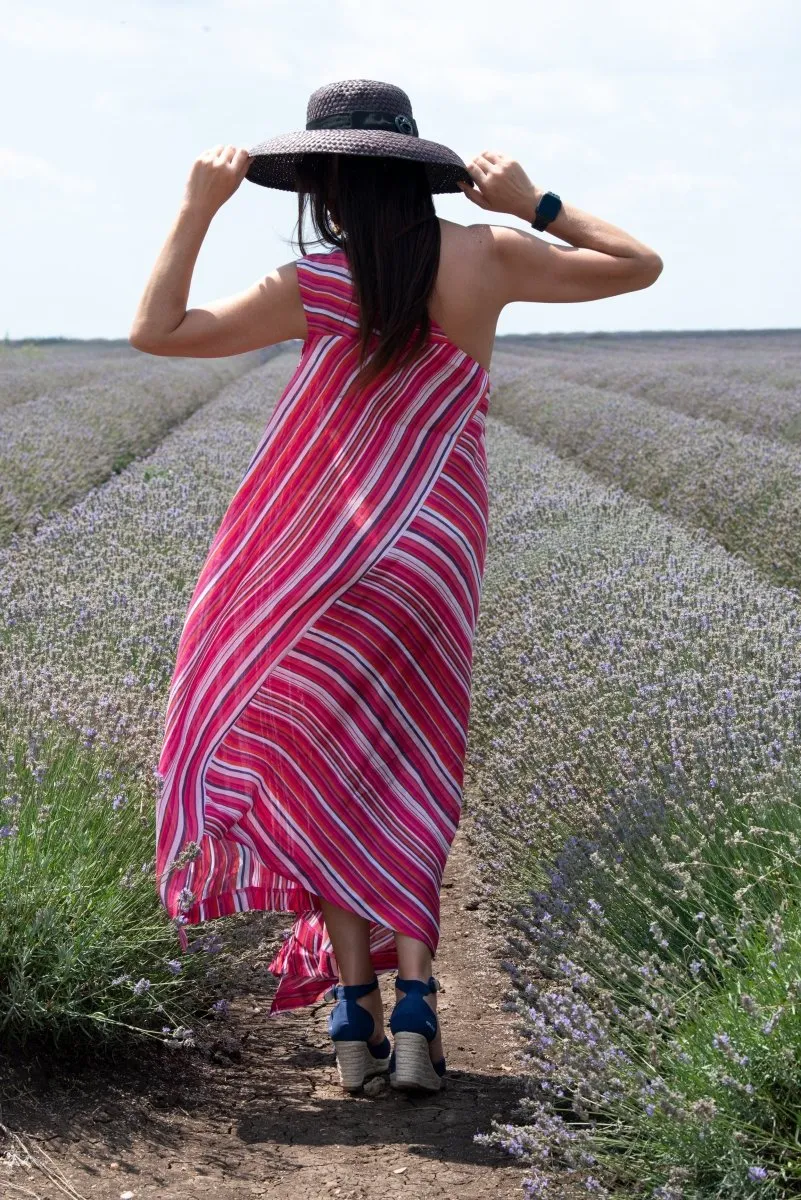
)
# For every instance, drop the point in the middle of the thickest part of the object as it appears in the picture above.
(273, 161)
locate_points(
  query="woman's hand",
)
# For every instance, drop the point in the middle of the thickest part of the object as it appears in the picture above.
(500, 185)
(215, 176)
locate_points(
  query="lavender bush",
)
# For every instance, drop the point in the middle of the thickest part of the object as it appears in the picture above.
(86, 953)
(632, 785)
(744, 490)
(65, 439)
(92, 604)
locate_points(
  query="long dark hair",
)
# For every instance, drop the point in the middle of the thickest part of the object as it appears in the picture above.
(380, 211)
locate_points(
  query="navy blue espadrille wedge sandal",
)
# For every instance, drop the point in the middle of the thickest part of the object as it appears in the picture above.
(349, 1026)
(414, 1024)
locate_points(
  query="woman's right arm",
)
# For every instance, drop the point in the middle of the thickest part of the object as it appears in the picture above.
(601, 259)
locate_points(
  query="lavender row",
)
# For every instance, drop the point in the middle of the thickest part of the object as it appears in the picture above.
(66, 439)
(92, 601)
(33, 370)
(612, 641)
(632, 793)
(91, 608)
(749, 382)
(744, 490)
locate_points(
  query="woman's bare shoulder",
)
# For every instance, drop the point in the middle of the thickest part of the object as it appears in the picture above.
(470, 239)
(469, 257)
(465, 300)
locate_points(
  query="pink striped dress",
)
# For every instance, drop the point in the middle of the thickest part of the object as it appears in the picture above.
(317, 717)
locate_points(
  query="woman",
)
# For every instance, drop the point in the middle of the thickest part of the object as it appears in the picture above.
(317, 720)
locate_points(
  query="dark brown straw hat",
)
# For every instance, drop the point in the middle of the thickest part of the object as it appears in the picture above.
(356, 116)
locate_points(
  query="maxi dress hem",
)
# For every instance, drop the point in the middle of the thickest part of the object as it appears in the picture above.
(299, 954)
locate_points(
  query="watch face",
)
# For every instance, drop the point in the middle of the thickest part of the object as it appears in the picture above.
(547, 209)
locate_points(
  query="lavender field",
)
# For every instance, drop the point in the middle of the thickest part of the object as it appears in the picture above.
(633, 780)
(702, 432)
(69, 418)
(632, 791)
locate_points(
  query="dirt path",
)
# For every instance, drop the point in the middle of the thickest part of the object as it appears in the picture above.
(260, 1112)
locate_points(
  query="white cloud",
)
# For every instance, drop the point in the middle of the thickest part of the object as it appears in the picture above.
(667, 179)
(50, 32)
(18, 166)
(185, 40)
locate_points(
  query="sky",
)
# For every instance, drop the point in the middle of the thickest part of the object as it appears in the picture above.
(679, 122)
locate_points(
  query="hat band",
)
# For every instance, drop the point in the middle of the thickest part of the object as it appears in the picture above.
(362, 119)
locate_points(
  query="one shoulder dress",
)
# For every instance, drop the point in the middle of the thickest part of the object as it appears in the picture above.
(317, 718)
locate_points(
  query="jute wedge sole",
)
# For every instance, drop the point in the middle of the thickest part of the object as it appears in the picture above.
(355, 1064)
(351, 1026)
(413, 1067)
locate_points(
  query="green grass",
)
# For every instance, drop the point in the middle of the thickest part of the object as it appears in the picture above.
(81, 924)
(733, 1072)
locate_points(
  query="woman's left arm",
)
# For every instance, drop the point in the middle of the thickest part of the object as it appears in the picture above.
(268, 312)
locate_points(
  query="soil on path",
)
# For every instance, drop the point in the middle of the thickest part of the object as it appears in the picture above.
(258, 1111)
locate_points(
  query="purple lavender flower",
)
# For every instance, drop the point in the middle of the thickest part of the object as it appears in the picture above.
(535, 1186)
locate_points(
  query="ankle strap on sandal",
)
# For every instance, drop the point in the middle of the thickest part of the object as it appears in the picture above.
(418, 985)
(350, 991)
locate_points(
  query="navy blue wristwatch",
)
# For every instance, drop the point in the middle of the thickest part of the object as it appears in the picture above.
(547, 209)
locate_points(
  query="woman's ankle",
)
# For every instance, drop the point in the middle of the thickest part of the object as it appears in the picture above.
(435, 1047)
(374, 1004)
